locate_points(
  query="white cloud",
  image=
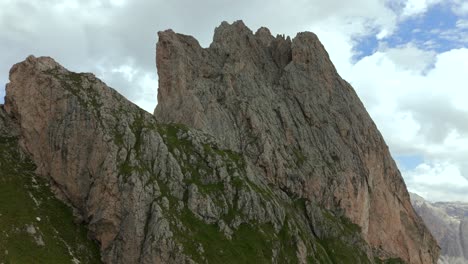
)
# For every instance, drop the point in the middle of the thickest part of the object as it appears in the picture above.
(460, 7)
(134, 83)
(437, 174)
(417, 7)
(149, 85)
(382, 34)
(462, 23)
(409, 57)
(438, 182)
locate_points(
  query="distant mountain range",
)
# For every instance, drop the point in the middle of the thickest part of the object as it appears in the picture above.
(448, 222)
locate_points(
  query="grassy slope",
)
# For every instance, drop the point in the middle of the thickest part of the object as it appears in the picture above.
(24, 199)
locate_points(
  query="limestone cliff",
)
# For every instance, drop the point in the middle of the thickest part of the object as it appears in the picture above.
(303, 128)
(258, 153)
(448, 222)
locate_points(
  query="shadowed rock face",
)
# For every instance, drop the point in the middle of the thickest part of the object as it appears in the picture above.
(448, 222)
(303, 128)
(273, 158)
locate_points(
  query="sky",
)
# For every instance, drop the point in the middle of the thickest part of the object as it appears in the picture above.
(406, 59)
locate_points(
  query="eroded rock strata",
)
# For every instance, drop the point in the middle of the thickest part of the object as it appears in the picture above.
(258, 152)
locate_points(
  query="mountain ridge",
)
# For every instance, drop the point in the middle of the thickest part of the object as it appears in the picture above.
(156, 189)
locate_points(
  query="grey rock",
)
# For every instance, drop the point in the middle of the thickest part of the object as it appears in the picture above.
(302, 128)
(124, 174)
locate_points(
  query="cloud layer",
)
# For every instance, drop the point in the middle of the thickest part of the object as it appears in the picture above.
(409, 70)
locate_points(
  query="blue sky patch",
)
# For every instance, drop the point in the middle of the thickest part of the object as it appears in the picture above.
(408, 162)
(435, 30)
(365, 46)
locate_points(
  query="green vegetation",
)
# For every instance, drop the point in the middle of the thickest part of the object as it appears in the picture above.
(299, 156)
(26, 202)
(341, 244)
(338, 248)
(249, 244)
(288, 249)
(341, 252)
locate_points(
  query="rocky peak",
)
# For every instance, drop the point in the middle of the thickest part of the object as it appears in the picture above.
(232, 35)
(264, 35)
(302, 127)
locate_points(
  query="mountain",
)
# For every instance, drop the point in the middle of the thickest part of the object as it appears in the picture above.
(448, 222)
(258, 152)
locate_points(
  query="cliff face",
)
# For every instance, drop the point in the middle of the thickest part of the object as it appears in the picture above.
(448, 222)
(35, 227)
(258, 152)
(155, 193)
(303, 128)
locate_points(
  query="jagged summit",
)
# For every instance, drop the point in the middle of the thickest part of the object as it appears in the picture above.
(302, 127)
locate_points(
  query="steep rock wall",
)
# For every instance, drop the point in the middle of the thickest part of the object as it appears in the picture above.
(282, 103)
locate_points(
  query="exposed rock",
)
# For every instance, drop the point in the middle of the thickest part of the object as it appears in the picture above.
(448, 222)
(303, 128)
(153, 193)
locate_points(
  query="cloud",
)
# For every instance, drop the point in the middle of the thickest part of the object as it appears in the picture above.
(409, 57)
(437, 182)
(417, 7)
(462, 23)
(460, 7)
(431, 100)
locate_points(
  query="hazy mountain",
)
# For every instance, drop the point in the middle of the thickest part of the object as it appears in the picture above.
(448, 222)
